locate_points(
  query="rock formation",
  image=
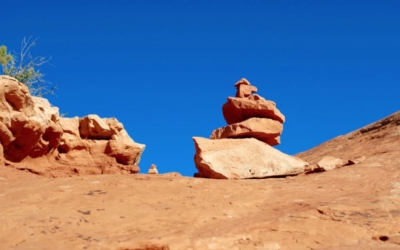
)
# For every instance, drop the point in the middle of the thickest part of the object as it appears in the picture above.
(244, 88)
(33, 137)
(153, 169)
(258, 124)
(250, 116)
(355, 207)
(329, 162)
(265, 130)
(242, 159)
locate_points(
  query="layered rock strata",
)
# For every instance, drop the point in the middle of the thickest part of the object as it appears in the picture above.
(33, 137)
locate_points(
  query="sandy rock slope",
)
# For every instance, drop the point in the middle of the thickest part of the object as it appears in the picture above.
(353, 207)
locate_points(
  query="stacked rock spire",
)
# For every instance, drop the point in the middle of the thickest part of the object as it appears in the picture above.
(250, 116)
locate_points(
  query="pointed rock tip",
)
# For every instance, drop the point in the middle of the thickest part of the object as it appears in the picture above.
(242, 81)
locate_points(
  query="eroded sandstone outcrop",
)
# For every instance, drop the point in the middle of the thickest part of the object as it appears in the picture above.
(242, 149)
(35, 138)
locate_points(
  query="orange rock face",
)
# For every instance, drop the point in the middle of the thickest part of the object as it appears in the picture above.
(263, 129)
(245, 90)
(35, 138)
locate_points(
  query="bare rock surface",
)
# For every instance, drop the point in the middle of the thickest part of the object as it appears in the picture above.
(242, 159)
(350, 208)
(36, 139)
(381, 137)
(263, 129)
(355, 207)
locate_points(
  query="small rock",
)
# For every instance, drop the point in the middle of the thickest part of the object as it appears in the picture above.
(244, 89)
(153, 169)
(329, 162)
(356, 160)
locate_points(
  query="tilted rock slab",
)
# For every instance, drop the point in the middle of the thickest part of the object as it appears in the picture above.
(263, 129)
(240, 109)
(34, 138)
(242, 159)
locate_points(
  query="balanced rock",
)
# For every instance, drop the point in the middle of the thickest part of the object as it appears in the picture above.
(263, 129)
(244, 89)
(242, 159)
(240, 109)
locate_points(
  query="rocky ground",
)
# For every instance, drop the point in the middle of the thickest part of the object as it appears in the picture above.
(353, 207)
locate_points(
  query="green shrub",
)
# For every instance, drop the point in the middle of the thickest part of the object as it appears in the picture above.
(25, 68)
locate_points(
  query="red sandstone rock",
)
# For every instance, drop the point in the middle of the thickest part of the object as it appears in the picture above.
(34, 138)
(242, 159)
(239, 109)
(263, 129)
(351, 208)
(126, 152)
(14, 96)
(1, 156)
(244, 89)
(93, 127)
(242, 81)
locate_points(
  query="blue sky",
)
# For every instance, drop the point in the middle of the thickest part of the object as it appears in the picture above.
(165, 68)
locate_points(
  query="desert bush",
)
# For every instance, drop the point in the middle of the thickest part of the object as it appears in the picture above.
(25, 68)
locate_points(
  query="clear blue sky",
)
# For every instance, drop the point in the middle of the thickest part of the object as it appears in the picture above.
(165, 68)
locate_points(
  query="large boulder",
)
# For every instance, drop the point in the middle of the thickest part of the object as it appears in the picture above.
(240, 109)
(263, 129)
(28, 125)
(35, 138)
(242, 159)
